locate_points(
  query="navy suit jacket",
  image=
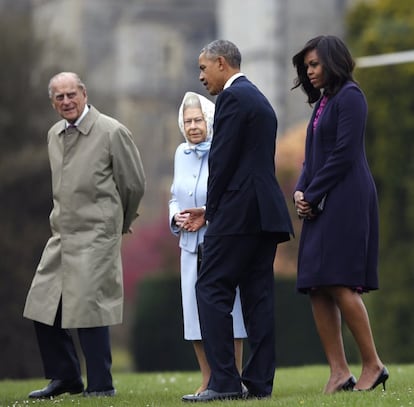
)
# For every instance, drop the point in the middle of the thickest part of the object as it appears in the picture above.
(243, 196)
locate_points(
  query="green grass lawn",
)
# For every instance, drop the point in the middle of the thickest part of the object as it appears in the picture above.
(299, 386)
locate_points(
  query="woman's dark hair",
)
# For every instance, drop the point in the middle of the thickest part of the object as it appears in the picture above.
(337, 64)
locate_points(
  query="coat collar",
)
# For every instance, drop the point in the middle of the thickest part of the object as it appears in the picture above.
(84, 126)
(232, 79)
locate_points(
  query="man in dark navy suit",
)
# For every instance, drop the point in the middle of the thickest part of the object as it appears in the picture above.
(247, 217)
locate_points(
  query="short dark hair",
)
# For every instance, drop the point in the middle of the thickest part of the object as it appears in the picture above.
(225, 49)
(336, 61)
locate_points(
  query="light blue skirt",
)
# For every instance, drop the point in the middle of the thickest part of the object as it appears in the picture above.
(190, 312)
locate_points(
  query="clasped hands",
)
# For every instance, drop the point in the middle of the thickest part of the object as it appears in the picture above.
(191, 219)
(303, 208)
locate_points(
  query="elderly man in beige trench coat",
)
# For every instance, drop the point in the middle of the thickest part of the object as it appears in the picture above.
(97, 183)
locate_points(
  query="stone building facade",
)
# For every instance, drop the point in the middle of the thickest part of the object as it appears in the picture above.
(139, 57)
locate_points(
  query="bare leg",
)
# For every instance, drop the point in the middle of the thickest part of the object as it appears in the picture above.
(238, 353)
(356, 317)
(204, 366)
(328, 323)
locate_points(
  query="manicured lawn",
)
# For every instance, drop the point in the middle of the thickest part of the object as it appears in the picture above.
(299, 386)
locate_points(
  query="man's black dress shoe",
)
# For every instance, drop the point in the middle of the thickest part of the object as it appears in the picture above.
(56, 387)
(102, 393)
(210, 395)
(247, 396)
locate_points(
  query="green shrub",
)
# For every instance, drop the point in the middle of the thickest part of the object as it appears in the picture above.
(157, 341)
(157, 334)
(297, 342)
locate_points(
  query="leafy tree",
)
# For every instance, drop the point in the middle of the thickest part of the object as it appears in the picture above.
(378, 27)
(25, 115)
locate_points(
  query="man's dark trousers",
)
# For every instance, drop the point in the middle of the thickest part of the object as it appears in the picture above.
(247, 261)
(60, 360)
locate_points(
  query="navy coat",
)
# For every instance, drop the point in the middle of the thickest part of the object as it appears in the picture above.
(340, 246)
(243, 195)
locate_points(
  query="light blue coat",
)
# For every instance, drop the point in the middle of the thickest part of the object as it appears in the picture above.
(188, 191)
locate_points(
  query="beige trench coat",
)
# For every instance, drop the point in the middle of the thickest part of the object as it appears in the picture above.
(97, 182)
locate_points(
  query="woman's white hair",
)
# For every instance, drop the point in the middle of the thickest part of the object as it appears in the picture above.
(192, 99)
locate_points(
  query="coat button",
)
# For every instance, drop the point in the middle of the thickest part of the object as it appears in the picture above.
(190, 193)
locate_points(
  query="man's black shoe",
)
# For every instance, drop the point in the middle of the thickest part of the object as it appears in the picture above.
(247, 395)
(101, 393)
(56, 387)
(210, 395)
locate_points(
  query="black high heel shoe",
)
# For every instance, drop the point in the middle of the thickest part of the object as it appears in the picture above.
(348, 385)
(381, 379)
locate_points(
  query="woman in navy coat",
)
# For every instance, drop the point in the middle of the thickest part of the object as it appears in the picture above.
(337, 200)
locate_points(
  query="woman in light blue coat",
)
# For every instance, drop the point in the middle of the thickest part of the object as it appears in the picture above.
(189, 189)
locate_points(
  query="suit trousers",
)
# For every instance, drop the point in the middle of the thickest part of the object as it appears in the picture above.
(247, 261)
(60, 360)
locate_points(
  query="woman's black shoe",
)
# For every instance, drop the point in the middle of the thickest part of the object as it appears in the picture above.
(348, 385)
(381, 379)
